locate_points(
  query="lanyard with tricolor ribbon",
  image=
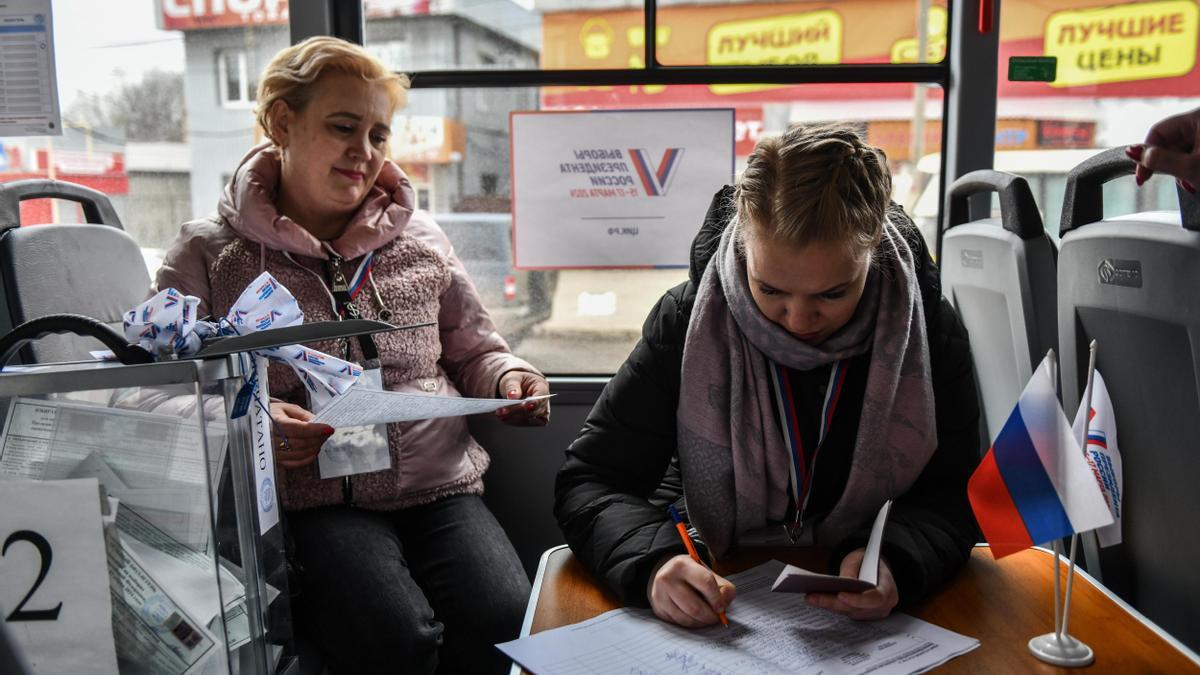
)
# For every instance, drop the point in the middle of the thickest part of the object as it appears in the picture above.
(802, 468)
(342, 293)
(359, 280)
(345, 292)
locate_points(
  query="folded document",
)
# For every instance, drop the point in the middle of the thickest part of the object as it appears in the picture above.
(797, 580)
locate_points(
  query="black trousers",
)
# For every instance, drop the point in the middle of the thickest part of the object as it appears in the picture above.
(426, 589)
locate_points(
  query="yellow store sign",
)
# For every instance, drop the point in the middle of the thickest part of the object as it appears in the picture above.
(907, 49)
(791, 39)
(1121, 43)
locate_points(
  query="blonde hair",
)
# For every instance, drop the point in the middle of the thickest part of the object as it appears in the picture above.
(815, 183)
(291, 74)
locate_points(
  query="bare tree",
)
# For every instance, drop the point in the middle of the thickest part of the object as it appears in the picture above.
(149, 110)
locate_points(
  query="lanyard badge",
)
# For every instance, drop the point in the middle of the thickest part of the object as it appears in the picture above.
(354, 450)
(802, 468)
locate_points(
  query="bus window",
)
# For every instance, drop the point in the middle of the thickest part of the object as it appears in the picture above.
(1111, 85)
(456, 140)
(553, 316)
(189, 71)
(139, 119)
(1046, 171)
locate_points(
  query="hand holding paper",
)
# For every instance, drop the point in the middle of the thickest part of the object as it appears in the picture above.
(874, 603)
(304, 439)
(796, 580)
(518, 384)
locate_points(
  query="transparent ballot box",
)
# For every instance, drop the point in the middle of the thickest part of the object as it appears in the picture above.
(139, 521)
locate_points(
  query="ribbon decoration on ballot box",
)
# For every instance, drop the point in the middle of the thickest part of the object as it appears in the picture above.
(167, 325)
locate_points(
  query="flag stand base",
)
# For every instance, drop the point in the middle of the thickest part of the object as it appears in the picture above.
(1065, 651)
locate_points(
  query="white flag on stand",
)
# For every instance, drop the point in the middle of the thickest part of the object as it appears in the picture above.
(1103, 454)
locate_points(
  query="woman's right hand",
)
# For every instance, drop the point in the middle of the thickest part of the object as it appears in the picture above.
(301, 439)
(684, 592)
(1171, 147)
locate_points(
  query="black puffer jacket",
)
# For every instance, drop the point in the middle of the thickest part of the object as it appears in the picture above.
(611, 491)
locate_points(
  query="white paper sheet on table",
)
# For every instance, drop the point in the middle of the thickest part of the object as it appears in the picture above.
(361, 407)
(768, 633)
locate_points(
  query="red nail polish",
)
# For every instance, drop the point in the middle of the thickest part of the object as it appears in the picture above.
(1134, 152)
(1139, 180)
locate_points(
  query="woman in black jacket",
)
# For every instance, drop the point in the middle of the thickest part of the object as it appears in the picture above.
(808, 371)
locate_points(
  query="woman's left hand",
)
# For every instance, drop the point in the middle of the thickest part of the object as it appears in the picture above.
(876, 603)
(518, 384)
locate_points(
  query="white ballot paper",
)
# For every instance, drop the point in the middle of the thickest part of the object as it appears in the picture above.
(153, 463)
(154, 633)
(768, 633)
(187, 576)
(181, 513)
(54, 595)
(49, 439)
(799, 580)
(361, 407)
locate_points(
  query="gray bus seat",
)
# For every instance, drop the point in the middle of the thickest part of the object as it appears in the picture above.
(1133, 284)
(999, 273)
(95, 269)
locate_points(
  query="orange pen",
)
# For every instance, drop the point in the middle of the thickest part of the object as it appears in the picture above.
(691, 548)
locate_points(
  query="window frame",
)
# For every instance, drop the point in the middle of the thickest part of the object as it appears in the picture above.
(247, 92)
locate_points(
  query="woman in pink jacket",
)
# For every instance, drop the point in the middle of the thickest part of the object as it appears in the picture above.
(402, 569)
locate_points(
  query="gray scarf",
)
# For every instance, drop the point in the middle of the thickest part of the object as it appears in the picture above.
(731, 450)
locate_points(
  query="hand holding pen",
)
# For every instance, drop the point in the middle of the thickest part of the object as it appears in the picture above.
(685, 592)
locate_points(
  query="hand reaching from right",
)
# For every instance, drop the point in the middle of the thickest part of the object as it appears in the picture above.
(1171, 147)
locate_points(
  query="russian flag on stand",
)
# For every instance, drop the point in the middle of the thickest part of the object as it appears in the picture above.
(1034, 485)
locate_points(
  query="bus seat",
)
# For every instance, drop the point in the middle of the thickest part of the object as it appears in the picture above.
(95, 269)
(999, 273)
(1131, 283)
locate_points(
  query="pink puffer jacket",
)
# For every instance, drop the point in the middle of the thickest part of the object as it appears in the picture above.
(418, 277)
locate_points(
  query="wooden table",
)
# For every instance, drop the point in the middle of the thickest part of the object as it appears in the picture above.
(1003, 604)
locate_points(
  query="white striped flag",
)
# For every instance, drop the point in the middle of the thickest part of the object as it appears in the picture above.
(1103, 454)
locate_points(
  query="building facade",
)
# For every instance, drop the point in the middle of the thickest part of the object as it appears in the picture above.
(453, 144)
